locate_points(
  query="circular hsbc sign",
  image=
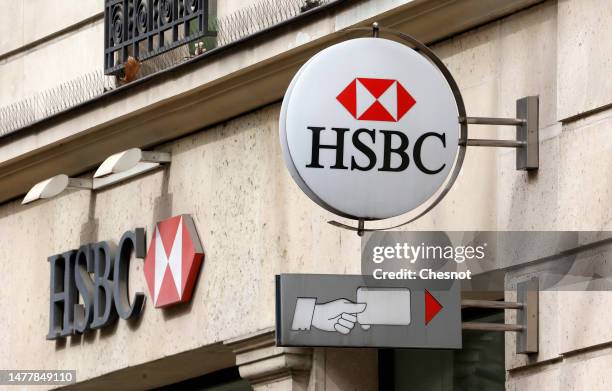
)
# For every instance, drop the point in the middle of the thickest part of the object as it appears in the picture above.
(370, 129)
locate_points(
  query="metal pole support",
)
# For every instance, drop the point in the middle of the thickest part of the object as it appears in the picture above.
(360, 227)
(527, 317)
(526, 327)
(527, 133)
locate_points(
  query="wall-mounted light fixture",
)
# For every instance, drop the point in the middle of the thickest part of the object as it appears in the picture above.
(55, 185)
(116, 168)
(129, 159)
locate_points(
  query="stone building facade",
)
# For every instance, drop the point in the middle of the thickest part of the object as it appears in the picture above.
(218, 117)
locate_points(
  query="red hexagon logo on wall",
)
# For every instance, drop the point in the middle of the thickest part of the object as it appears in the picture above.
(173, 262)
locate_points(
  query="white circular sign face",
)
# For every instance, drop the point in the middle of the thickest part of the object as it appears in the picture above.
(369, 129)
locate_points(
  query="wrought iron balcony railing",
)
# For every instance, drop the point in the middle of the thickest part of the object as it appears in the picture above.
(145, 28)
(241, 24)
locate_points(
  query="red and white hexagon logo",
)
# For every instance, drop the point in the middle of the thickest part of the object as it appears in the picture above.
(173, 261)
(370, 99)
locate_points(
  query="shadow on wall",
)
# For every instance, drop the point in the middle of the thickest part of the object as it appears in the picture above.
(163, 204)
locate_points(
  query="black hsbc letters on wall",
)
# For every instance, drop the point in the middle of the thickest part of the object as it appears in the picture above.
(78, 302)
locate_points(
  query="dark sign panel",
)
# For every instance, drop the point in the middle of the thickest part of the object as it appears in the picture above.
(357, 311)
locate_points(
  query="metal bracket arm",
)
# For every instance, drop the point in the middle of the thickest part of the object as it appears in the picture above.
(526, 326)
(80, 183)
(473, 142)
(501, 305)
(492, 327)
(492, 121)
(527, 133)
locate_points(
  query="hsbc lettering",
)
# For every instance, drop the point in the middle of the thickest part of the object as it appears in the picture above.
(89, 285)
(104, 297)
(374, 99)
(390, 148)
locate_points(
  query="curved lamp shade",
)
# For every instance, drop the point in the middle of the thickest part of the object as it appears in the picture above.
(47, 188)
(123, 165)
(119, 162)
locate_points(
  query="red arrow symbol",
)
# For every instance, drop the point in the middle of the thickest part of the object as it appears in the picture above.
(432, 307)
